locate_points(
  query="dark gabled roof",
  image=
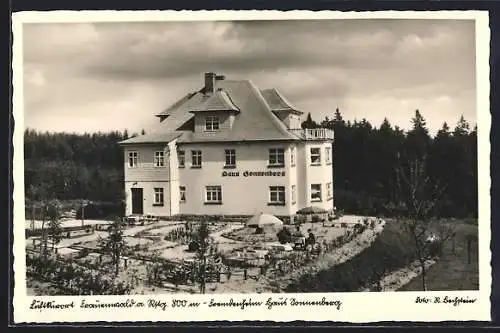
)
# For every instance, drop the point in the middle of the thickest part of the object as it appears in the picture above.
(217, 101)
(165, 113)
(254, 119)
(152, 138)
(277, 102)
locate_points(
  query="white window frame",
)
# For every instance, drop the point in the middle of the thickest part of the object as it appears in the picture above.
(159, 159)
(213, 194)
(231, 155)
(197, 156)
(292, 156)
(315, 154)
(181, 157)
(212, 123)
(182, 194)
(159, 196)
(276, 156)
(315, 191)
(133, 159)
(328, 155)
(279, 194)
(293, 194)
(329, 191)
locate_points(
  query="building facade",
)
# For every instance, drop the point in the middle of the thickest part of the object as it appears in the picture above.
(229, 149)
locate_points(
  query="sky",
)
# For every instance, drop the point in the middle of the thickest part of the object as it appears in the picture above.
(88, 77)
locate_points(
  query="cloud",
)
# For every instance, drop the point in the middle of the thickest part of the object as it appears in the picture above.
(369, 68)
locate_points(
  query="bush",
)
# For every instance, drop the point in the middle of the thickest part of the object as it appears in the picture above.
(193, 246)
(284, 236)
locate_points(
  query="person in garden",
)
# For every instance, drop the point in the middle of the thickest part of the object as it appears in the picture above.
(311, 239)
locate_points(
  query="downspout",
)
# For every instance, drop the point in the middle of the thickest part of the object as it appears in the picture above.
(169, 180)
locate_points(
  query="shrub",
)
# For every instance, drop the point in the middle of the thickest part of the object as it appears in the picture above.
(284, 236)
(193, 246)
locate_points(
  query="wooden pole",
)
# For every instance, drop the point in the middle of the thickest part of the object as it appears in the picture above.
(83, 219)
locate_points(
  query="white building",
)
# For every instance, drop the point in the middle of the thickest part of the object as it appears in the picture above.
(229, 149)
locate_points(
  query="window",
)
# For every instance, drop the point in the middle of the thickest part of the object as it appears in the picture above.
(292, 156)
(133, 158)
(158, 196)
(159, 159)
(196, 158)
(276, 157)
(182, 191)
(230, 157)
(277, 195)
(213, 194)
(329, 193)
(211, 123)
(315, 156)
(181, 157)
(294, 194)
(315, 192)
(328, 155)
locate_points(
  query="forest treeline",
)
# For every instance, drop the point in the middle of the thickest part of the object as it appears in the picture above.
(90, 166)
(367, 160)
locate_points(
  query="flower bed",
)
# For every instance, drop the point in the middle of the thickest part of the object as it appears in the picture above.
(70, 278)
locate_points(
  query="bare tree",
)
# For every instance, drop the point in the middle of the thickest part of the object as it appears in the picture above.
(420, 197)
(55, 230)
(115, 243)
(202, 239)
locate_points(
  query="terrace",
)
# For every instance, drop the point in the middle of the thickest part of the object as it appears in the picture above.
(314, 133)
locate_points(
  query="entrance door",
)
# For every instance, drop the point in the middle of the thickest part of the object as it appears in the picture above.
(137, 201)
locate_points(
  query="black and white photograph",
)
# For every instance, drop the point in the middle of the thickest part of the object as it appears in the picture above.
(252, 156)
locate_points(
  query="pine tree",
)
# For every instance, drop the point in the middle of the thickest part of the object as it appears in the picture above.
(309, 122)
(462, 128)
(338, 117)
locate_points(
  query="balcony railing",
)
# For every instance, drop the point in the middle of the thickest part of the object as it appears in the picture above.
(314, 133)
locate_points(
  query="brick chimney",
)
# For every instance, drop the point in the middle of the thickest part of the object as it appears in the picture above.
(210, 82)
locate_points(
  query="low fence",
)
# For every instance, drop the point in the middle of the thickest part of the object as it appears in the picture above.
(64, 230)
(216, 218)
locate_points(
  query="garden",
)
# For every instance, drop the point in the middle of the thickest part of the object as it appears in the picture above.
(180, 256)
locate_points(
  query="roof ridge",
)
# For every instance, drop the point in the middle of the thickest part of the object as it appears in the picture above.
(177, 103)
(230, 99)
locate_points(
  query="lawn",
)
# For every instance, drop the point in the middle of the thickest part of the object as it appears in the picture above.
(452, 271)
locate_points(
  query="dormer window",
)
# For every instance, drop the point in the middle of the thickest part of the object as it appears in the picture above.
(212, 123)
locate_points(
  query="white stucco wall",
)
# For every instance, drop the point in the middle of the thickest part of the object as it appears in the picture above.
(241, 195)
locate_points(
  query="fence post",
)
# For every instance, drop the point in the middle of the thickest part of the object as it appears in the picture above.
(245, 274)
